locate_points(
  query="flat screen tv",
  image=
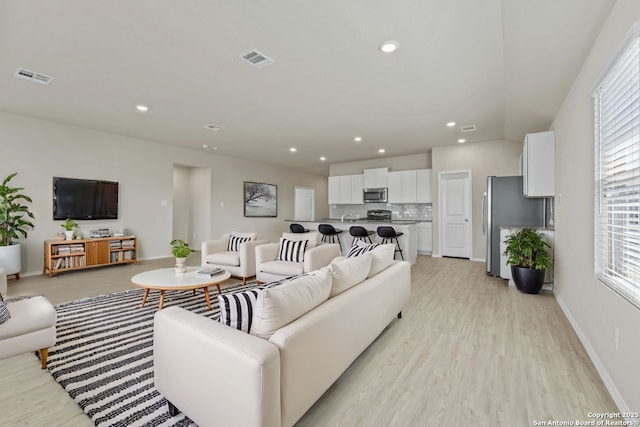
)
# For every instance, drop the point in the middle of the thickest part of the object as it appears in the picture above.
(84, 199)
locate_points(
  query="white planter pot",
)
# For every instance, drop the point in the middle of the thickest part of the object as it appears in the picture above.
(68, 234)
(181, 265)
(10, 259)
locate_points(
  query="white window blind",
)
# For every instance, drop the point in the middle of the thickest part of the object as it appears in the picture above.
(617, 174)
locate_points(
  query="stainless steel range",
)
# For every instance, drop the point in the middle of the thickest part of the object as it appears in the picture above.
(381, 215)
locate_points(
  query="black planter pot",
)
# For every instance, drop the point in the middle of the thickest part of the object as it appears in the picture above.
(527, 280)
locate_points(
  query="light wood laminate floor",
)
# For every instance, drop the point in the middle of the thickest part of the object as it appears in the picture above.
(468, 351)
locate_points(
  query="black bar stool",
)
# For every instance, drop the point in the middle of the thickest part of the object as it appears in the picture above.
(297, 228)
(388, 235)
(329, 234)
(360, 233)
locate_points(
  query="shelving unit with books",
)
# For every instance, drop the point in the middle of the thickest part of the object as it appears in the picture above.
(69, 255)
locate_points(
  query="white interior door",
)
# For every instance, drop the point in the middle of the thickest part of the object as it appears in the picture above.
(455, 213)
(304, 204)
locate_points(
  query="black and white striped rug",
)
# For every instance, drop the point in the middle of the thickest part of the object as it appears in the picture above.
(104, 355)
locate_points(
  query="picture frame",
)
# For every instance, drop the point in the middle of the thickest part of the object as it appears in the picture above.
(260, 199)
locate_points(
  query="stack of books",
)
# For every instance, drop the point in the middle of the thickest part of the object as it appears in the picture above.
(209, 272)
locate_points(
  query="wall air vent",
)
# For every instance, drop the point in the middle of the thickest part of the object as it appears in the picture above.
(257, 59)
(468, 128)
(213, 127)
(23, 73)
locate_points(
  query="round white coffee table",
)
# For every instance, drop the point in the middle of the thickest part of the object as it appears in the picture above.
(166, 279)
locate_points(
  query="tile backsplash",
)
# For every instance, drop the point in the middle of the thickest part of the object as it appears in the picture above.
(417, 211)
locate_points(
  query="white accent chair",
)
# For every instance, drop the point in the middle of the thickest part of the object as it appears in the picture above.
(316, 256)
(241, 264)
(32, 326)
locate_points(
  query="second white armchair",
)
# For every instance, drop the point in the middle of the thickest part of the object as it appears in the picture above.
(232, 252)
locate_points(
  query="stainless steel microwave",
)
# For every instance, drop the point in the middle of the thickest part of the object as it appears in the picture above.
(374, 195)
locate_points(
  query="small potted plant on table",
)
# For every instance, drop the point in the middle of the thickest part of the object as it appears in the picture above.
(180, 250)
(529, 258)
(69, 226)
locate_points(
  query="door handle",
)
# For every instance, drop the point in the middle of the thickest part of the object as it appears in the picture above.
(484, 205)
(466, 220)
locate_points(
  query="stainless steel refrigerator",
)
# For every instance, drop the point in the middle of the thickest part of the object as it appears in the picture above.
(505, 206)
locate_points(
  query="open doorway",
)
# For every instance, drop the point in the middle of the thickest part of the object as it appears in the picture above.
(304, 204)
(191, 204)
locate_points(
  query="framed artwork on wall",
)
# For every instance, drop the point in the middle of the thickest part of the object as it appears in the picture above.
(260, 199)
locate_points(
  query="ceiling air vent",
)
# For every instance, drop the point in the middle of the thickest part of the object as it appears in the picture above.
(23, 73)
(257, 59)
(468, 128)
(213, 127)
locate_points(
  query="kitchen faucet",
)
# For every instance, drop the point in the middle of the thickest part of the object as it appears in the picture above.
(343, 216)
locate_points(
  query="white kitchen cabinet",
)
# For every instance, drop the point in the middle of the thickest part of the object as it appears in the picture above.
(394, 184)
(538, 164)
(334, 190)
(345, 189)
(375, 178)
(409, 186)
(423, 182)
(425, 238)
(357, 184)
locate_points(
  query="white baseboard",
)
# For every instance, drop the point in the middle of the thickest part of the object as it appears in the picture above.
(434, 255)
(608, 382)
(478, 259)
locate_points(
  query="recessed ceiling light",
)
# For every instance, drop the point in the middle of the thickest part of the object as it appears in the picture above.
(293, 149)
(381, 151)
(358, 139)
(205, 146)
(462, 141)
(389, 46)
(451, 124)
(323, 159)
(142, 108)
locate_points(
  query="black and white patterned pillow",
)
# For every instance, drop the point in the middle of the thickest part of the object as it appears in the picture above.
(4, 311)
(236, 310)
(292, 250)
(360, 249)
(234, 242)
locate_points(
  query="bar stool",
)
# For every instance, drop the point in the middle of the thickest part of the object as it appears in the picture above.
(329, 234)
(297, 228)
(360, 233)
(388, 235)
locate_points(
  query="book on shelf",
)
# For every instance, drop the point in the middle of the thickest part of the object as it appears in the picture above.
(209, 272)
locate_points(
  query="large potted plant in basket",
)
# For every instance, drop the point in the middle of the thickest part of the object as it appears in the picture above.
(528, 256)
(14, 222)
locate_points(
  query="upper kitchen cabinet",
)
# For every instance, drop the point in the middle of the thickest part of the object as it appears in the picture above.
(375, 178)
(394, 184)
(345, 190)
(412, 186)
(423, 181)
(538, 164)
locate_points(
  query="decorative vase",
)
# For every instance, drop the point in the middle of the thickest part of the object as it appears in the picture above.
(68, 234)
(527, 280)
(180, 265)
(10, 259)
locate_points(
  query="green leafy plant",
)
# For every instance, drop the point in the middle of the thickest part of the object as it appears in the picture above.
(180, 248)
(14, 214)
(527, 249)
(69, 224)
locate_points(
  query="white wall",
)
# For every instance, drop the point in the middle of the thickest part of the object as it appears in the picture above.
(397, 163)
(39, 150)
(495, 158)
(594, 310)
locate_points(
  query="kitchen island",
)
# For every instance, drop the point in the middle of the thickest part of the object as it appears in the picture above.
(408, 241)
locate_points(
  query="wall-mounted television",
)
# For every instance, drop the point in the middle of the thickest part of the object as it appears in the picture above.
(84, 199)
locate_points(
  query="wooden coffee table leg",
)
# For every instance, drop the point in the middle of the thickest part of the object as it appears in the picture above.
(161, 300)
(144, 297)
(218, 286)
(206, 297)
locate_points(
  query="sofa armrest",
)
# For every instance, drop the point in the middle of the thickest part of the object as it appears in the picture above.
(248, 257)
(212, 246)
(202, 367)
(320, 256)
(267, 252)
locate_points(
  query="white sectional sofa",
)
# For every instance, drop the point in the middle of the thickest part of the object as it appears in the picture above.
(218, 375)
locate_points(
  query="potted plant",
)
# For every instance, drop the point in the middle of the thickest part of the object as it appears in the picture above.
(68, 226)
(529, 258)
(14, 222)
(180, 250)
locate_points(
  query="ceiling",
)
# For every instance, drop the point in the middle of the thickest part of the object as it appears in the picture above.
(502, 65)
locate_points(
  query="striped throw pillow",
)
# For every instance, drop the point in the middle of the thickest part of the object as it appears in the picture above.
(4, 311)
(236, 310)
(361, 248)
(234, 242)
(292, 250)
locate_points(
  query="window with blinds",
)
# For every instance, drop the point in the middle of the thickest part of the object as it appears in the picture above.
(617, 174)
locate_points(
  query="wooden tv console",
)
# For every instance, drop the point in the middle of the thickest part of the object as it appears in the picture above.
(69, 255)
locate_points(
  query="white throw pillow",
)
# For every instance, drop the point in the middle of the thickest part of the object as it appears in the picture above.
(311, 236)
(382, 258)
(349, 272)
(279, 306)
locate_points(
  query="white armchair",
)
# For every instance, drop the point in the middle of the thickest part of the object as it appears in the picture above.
(316, 256)
(240, 263)
(32, 325)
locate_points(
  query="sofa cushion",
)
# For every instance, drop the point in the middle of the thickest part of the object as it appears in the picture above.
(349, 272)
(236, 310)
(4, 311)
(235, 240)
(282, 268)
(281, 305)
(382, 258)
(291, 250)
(28, 315)
(360, 248)
(224, 258)
(312, 237)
